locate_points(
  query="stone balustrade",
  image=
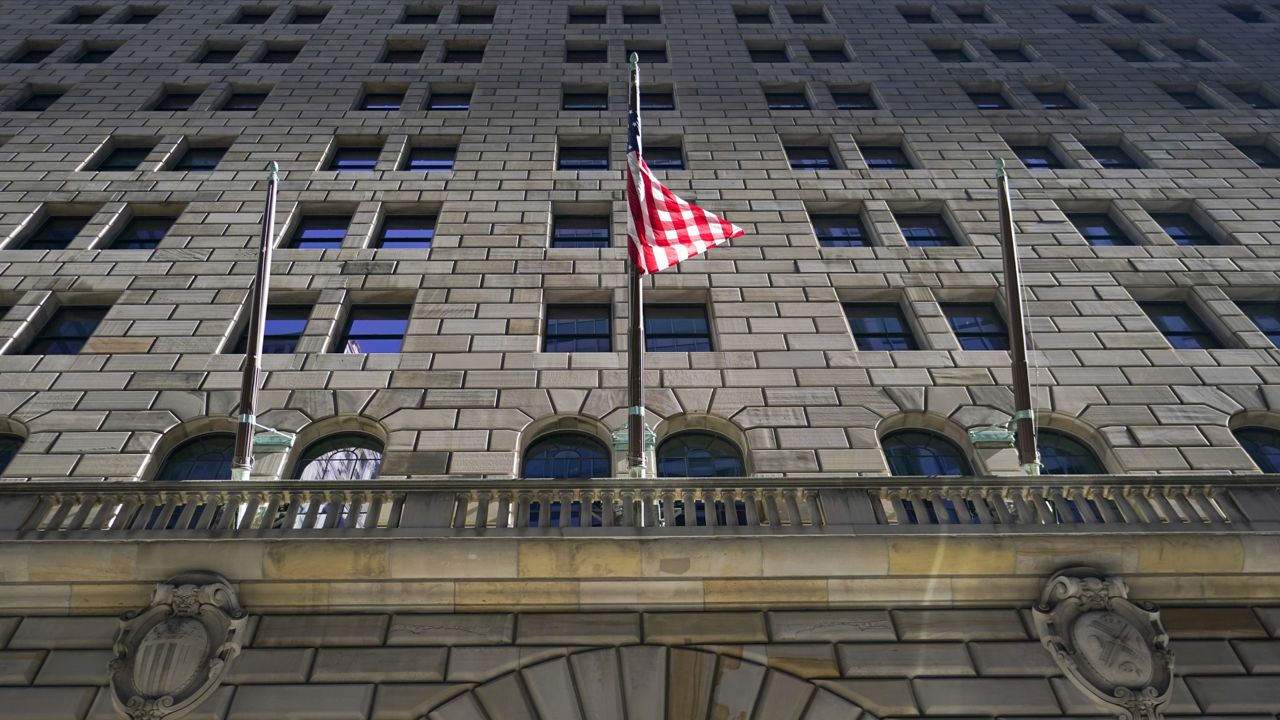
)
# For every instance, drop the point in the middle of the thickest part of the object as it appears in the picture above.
(453, 506)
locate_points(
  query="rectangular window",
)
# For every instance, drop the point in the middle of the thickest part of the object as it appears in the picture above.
(1255, 99)
(402, 54)
(1082, 16)
(824, 54)
(587, 16)
(463, 55)
(641, 16)
(176, 101)
(839, 230)
(918, 16)
(583, 158)
(407, 232)
(1190, 54)
(1138, 16)
(1099, 229)
(1037, 157)
(1190, 99)
(374, 329)
(752, 15)
(39, 100)
(786, 100)
(879, 326)
(140, 17)
(142, 233)
(658, 99)
(768, 53)
(951, 54)
(279, 55)
(55, 233)
(578, 328)
(471, 15)
(84, 16)
(244, 101)
(1111, 157)
(580, 231)
(285, 325)
(355, 159)
(676, 328)
(977, 326)
(1056, 100)
(1180, 326)
(68, 330)
(925, 230)
(584, 101)
(420, 16)
(853, 99)
(1246, 13)
(586, 54)
(1130, 53)
(384, 101)
(94, 55)
(430, 159)
(1183, 229)
(200, 159)
(450, 101)
(810, 157)
(123, 159)
(1260, 154)
(1266, 316)
(320, 232)
(885, 157)
(807, 15)
(648, 54)
(309, 16)
(973, 17)
(664, 157)
(32, 55)
(253, 16)
(1009, 54)
(989, 100)
(214, 56)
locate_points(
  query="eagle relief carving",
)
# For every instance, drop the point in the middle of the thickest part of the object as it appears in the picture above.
(1114, 650)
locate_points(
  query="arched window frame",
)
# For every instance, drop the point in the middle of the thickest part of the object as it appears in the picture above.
(363, 466)
(601, 466)
(934, 442)
(1266, 458)
(167, 474)
(10, 444)
(733, 454)
(1090, 462)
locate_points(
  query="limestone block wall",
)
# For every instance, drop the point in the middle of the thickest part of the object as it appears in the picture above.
(472, 386)
(979, 662)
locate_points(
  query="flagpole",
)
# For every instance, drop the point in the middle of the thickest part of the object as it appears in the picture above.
(635, 338)
(242, 465)
(1024, 425)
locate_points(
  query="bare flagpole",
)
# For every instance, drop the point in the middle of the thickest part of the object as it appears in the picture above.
(242, 465)
(1024, 424)
(635, 339)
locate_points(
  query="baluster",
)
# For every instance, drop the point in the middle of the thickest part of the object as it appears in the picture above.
(128, 516)
(315, 504)
(522, 513)
(1208, 512)
(1109, 514)
(957, 502)
(1229, 506)
(60, 515)
(628, 508)
(503, 520)
(373, 518)
(917, 506)
(482, 509)
(668, 518)
(940, 507)
(566, 509)
(1061, 508)
(544, 509)
(235, 501)
(105, 512)
(876, 498)
(1178, 499)
(397, 509)
(815, 513)
(793, 508)
(1082, 504)
(709, 513)
(689, 507)
(771, 510)
(461, 503)
(1160, 500)
(1128, 513)
(730, 500)
(1026, 516)
(648, 511)
(996, 502)
(212, 503)
(753, 507)
(1145, 510)
(899, 505)
(38, 515)
(292, 511)
(1042, 508)
(167, 510)
(606, 508)
(82, 513)
(191, 503)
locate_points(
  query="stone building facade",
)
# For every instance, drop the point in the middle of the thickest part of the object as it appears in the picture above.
(854, 140)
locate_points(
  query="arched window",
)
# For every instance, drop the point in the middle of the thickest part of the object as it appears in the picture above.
(920, 452)
(1263, 445)
(699, 454)
(9, 445)
(566, 456)
(205, 457)
(1061, 454)
(346, 456)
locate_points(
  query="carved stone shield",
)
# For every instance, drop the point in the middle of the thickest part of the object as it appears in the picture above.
(1112, 649)
(171, 655)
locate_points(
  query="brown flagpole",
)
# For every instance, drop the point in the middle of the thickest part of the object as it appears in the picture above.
(1024, 425)
(242, 465)
(635, 338)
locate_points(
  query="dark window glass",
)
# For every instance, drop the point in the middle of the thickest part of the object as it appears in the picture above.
(1111, 157)
(810, 157)
(1135, 15)
(402, 55)
(664, 157)
(587, 16)
(649, 55)
(1037, 157)
(200, 159)
(880, 326)
(580, 231)
(1052, 100)
(348, 456)
(973, 17)
(142, 233)
(475, 16)
(431, 159)
(918, 452)
(828, 55)
(578, 328)
(753, 16)
(244, 101)
(421, 16)
(641, 17)
(354, 159)
(1191, 54)
(321, 232)
(1083, 17)
(67, 331)
(978, 326)
(84, 16)
(786, 100)
(30, 56)
(1256, 99)
(1189, 99)
(918, 17)
(853, 100)
(219, 55)
(1180, 326)
(807, 16)
(407, 232)
(699, 455)
(586, 54)
(55, 233)
(844, 230)
(583, 158)
(1263, 446)
(279, 55)
(285, 325)
(1183, 229)
(1061, 454)
(990, 100)
(253, 17)
(374, 329)
(140, 17)
(585, 101)
(1247, 14)
(449, 101)
(772, 54)
(463, 55)
(309, 17)
(38, 101)
(1261, 155)
(657, 100)
(9, 445)
(1099, 229)
(885, 157)
(1266, 315)
(1131, 54)
(1010, 54)
(676, 328)
(566, 456)
(382, 101)
(92, 55)
(123, 159)
(923, 230)
(207, 457)
(951, 54)
(176, 101)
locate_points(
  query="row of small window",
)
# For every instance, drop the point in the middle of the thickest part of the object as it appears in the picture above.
(1137, 14)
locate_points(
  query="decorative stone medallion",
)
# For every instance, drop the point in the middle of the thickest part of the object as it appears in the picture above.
(171, 655)
(1114, 650)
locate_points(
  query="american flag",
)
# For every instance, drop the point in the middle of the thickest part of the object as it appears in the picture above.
(662, 229)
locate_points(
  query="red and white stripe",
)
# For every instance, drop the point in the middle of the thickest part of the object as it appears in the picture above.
(662, 229)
